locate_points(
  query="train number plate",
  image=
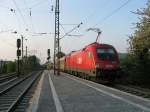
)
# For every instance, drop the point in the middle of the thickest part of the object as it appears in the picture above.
(109, 66)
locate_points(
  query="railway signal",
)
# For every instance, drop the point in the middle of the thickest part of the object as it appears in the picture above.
(18, 55)
(48, 58)
(18, 43)
(48, 53)
(18, 52)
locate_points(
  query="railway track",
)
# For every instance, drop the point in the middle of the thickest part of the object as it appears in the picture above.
(138, 91)
(9, 84)
(3, 75)
(16, 97)
(7, 77)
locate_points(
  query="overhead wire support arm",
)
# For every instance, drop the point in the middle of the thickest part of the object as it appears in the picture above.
(66, 34)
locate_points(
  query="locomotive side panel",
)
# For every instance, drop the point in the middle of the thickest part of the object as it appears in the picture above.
(89, 61)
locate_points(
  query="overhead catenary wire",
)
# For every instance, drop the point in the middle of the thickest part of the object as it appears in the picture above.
(10, 44)
(88, 18)
(25, 3)
(36, 4)
(18, 21)
(32, 28)
(13, 10)
(31, 20)
(3, 6)
(8, 30)
(69, 24)
(112, 13)
(8, 8)
(22, 16)
(30, 15)
(4, 41)
(5, 31)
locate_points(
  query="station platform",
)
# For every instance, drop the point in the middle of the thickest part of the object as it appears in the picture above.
(67, 93)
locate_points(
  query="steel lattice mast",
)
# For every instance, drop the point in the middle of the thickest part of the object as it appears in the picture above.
(56, 40)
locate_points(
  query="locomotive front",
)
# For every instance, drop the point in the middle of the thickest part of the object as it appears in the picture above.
(107, 62)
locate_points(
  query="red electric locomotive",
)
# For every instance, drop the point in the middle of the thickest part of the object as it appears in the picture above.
(95, 60)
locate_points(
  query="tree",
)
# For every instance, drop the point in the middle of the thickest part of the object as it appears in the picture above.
(32, 62)
(139, 49)
(11, 67)
(4, 68)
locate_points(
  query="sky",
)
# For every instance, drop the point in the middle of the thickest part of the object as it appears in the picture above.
(32, 17)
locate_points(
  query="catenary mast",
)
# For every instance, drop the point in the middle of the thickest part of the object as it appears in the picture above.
(56, 40)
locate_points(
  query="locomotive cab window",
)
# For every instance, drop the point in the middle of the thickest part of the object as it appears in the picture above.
(106, 53)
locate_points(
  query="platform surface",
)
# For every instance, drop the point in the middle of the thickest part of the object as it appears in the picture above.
(66, 93)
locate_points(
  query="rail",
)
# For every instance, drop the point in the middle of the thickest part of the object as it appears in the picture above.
(12, 95)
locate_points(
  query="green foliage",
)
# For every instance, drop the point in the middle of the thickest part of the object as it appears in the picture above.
(122, 56)
(4, 68)
(32, 62)
(140, 40)
(27, 64)
(137, 63)
(11, 67)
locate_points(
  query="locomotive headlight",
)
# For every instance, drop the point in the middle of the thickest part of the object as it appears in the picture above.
(97, 66)
(113, 62)
(109, 66)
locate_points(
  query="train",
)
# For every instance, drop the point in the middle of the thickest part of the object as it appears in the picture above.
(96, 60)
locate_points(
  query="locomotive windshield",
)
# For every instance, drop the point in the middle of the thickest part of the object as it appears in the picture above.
(106, 54)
